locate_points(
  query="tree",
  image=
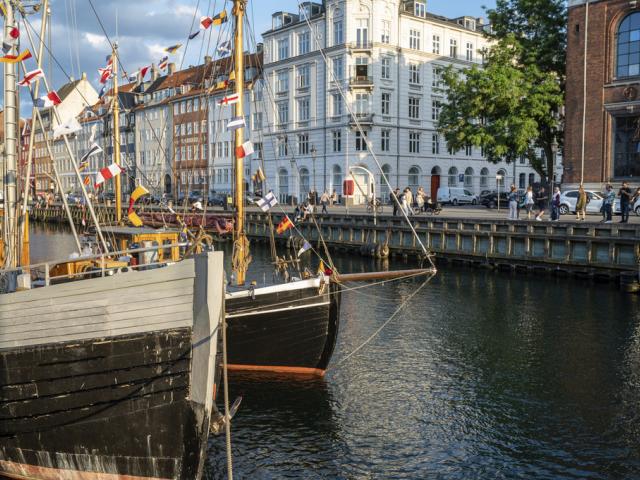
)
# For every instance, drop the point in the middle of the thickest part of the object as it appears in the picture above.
(511, 106)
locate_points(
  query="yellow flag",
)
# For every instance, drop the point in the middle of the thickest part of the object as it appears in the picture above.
(134, 219)
(16, 58)
(138, 192)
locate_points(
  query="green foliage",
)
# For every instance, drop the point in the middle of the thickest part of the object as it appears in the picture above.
(510, 106)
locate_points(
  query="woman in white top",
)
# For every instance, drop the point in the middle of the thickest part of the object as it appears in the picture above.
(529, 202)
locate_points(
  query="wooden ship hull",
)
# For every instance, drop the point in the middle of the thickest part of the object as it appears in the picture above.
(285, 328)
(112, 377)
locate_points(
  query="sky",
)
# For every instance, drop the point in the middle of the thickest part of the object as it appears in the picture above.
(144, 28)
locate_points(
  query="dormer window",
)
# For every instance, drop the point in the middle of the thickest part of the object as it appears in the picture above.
(420, 9)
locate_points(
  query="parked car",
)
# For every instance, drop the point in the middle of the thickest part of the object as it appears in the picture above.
(569, 199)
(217, 200)
(456, 196)
(490, 200)
(636, 207)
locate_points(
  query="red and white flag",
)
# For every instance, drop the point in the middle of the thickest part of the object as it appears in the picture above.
(229, 99)
(107, 173)
(10, 40)
(143, 71)
(107, 72)
(30, 77)
(48, 100)
(245, 149)
(205, 22)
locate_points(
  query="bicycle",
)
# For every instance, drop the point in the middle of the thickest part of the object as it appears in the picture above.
(377, 204)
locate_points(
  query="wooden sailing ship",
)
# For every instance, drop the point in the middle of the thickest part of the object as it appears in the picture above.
(111, 375)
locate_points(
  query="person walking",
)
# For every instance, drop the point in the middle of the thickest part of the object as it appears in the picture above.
(324, 200)
(513, 203)
(529, 202)
(334, 198)
(555, 205)
(420, 199)
(625, 195)
(409, 198)
(541, 200)
(396, 200)
(581, 204)
(607, 204)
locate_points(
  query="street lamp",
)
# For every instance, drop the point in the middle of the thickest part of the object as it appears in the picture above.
(498, 179)
(313, 158)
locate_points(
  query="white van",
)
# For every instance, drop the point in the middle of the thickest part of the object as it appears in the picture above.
(456, 196)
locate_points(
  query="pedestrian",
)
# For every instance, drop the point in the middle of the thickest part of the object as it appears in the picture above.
(409, 197)
(334, 197)
(555, 204)
(625, 195)
(581, 204)
(607, 204)
(396, 200)
(420, 199)
(324, 200)
(529, 202)
(541, 200)
(513, 203)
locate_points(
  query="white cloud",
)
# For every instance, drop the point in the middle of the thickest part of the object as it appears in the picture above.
(99, 42)
(185, 10)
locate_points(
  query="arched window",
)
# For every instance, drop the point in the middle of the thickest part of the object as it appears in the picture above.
(436, 170)
(628, 48)
(336, 179)
(532, 178)
(500, 177)
(304, 183)
(453, 177)
(283, 182)
(414, 177)
(468, 177)
(484, 178)
(384, 188)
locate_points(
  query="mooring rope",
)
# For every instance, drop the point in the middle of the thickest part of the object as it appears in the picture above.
(381, 327)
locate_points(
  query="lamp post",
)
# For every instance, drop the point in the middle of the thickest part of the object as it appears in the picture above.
(498, 179)
(313, 159)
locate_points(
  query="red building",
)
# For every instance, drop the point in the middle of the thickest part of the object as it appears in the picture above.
(602, 140)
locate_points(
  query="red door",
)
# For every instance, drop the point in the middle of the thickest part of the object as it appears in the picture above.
(435, 185)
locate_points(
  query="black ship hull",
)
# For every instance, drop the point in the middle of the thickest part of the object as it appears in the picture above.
(288, 328)
(132, 406)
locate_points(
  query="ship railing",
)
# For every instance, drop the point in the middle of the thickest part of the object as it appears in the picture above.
(104, 270)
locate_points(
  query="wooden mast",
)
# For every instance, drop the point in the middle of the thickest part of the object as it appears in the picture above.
(116, 132)
(241, 256)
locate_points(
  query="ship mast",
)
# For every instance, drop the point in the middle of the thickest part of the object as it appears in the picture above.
(10, 170)
(241, 258)
(116, 132)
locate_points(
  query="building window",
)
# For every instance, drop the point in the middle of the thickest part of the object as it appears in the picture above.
(420, 9)
(414, 177)
(283, 147)
(386, 68)
(453, 177)
(414, 39)
(484, 178)
(453, 48)
(626, 160)
(283, 181)
(362, 104)
(303, 110)
(336, 179)
(435, 144)
(303, 144)
(385, 140)
(414, 108)
(628, 52)
(468, 177)
(361, 141)
(386, 31)
(338, 36)
(283, 49)
(362, 32)
(338, 68)
(303, 76)
(336, 101)
(282, 84)
(436, 105)
(414, 73)
(436, 44)
(283, 114)
(469, 52)
(436, 81)
(386, 103)
(414, 142)
(336, 137)
(468, 150)
(303, 43)
(500, 178)
(532, 178)
(522, 180)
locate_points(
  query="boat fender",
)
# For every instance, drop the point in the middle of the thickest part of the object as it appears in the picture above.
(252, 291)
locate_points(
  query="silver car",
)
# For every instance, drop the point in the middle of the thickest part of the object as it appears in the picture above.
(569, 199)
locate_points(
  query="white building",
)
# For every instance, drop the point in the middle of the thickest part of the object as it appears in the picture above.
(386, 56)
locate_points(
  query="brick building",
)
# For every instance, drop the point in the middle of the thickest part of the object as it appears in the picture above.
(602, 139)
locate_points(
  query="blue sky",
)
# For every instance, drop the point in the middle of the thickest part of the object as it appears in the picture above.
(146, 27)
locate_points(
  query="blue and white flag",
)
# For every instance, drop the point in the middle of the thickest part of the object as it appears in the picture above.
(224, 48)
(305, 246)
(268, 202)
(235, 123)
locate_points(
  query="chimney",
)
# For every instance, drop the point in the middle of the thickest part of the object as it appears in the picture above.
(154, 72)
(207, 59)
(84, 76)
(172, 68)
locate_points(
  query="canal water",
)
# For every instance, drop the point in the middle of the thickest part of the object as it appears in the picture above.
(481, 375)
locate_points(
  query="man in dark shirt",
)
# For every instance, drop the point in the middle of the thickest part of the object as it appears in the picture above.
(625, 195)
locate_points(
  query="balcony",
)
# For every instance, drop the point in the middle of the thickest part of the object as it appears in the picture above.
(361, 81)
(364, 119)
(361, 46)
